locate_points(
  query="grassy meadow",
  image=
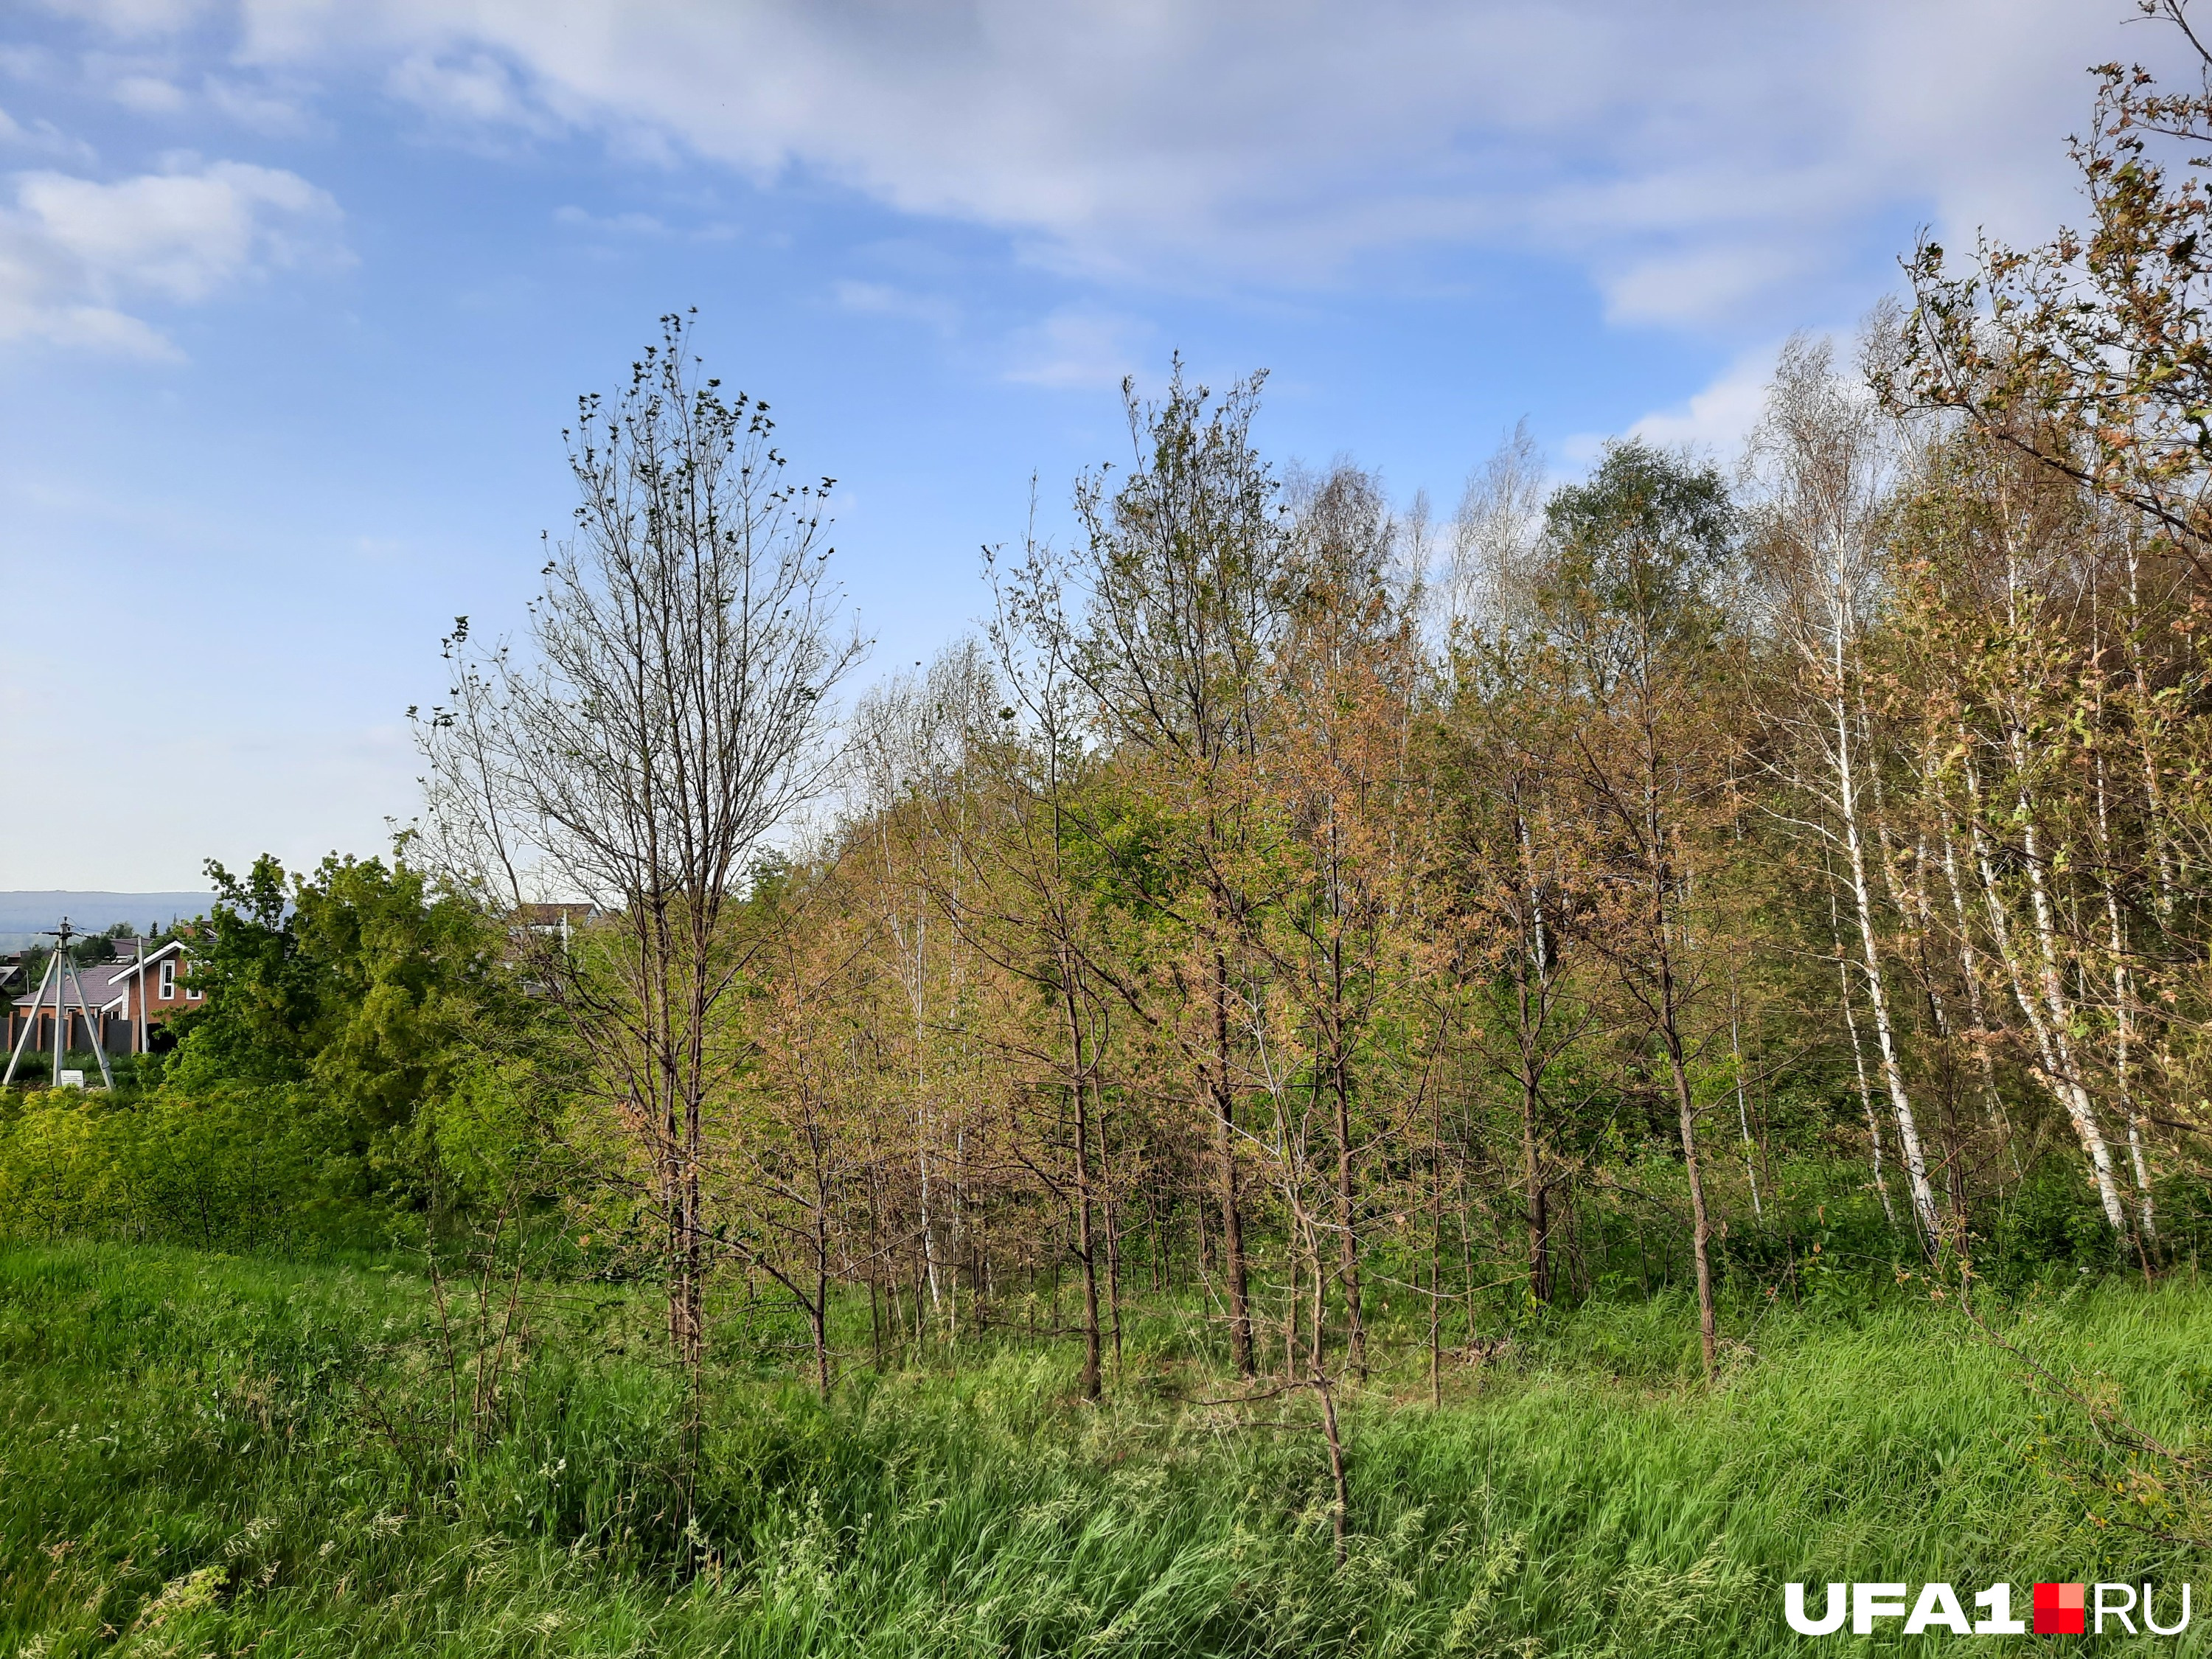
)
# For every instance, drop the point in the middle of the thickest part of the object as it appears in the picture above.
(213, 1454)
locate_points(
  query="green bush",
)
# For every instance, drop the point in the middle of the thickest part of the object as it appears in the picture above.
(232, 1168)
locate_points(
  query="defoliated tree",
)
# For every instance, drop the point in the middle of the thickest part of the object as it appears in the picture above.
(670, 710)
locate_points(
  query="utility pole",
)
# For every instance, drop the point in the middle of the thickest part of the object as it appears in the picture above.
(30, 1024)
(62, 972)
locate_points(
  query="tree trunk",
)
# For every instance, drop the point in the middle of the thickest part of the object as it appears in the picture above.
(1532, 1181)
(1232, 1220)
(1340, 1513)
(1347, 1201)
(1743, 1107)
(1892, 1073)
(2055, 1061)
(2062, 1023)
(1700, 1226)
(1970, 971)
(1858, 1065)
(1670, 1035)
(817, 1317)
(1436, 1249)
(1085, 1248)
(2123, 1017)
(1530, 1018)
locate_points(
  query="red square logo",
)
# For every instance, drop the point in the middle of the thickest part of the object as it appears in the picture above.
(2060, 1609)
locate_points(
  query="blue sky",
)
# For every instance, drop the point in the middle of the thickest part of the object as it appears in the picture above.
(296, 296)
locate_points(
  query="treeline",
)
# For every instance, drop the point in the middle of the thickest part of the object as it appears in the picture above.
(1290, 925)
(1720, 861)
(1315, 928)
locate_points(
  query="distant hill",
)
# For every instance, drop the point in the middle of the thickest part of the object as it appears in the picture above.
(24, 915)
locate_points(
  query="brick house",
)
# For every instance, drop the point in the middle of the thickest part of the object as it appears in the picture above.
(123, 997)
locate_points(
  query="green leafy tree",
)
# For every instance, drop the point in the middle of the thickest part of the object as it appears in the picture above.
(360, 982)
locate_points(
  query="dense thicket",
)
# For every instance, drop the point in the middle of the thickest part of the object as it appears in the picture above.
(1749, 868)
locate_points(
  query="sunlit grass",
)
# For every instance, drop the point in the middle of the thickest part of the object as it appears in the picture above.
(203, 1453)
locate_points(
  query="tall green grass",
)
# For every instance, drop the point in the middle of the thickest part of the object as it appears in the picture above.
(202, 1454)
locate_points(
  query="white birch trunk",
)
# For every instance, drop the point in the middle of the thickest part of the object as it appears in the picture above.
(1970, 970)
(2124, 1006)
(1859, 1060)
(1892, 1074)
(2054, 1053)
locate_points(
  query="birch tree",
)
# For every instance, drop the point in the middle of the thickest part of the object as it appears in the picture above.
(1820, 461)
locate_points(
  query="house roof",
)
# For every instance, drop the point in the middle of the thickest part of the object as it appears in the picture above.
(104, 983)
(552, 915)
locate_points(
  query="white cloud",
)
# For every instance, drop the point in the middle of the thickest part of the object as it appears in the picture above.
(477, 89)
(93, 328)
(634, 226)
(1702, 284)
(1713, 422)
(614, 224)
(74, 251)
(148, 95)
(1712, 162)
(259, 108)
(26, 63)
(1718, 419)
(135, 17)
(43, 137)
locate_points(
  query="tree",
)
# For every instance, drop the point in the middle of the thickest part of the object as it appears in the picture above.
(1523, 887)
(2091, 355)
(361, 980)
(1822, 458)
(806, 1152)
(909, 753)
(1184, 566)
(1635, 633)
(1998, 554)
(1338, 764)
(671, 709)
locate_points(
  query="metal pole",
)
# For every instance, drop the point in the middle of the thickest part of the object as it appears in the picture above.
(30, 1024)
(60, 1013)
(92, 1030)
(140, 978)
